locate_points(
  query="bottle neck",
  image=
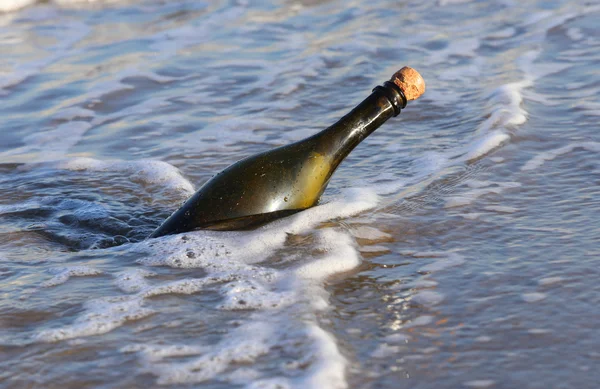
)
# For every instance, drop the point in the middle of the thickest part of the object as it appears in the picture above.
(341, 138)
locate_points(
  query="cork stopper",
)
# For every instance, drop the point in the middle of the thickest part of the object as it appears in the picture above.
(410, 81)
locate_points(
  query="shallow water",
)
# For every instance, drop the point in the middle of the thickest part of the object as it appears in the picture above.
(458, 246)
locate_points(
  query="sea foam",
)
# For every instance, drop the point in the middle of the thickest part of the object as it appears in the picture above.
(232, 263)
(144, 171)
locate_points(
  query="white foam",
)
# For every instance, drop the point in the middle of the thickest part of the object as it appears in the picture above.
(533, 297)
(575, 34)
(329, 369)
(469, 197)
(144, 171)
(471, 215)
(480, 384)
(539, 331)
(543, 157)
(231, 261)
(62, 274)
(243, 345)
(13, 5)
(342, 256)
(505, 111)
(183, 286)
(157, 352)
(253, 294)
(550, 280)
(133, 280)
(484, 145)
(481, 189)
(101, 316)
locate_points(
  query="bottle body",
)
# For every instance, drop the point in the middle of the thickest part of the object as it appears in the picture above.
(285, 180)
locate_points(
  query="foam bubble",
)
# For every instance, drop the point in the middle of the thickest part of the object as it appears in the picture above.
(252, 294)
(62, 274)
(184, 286)
(133, 280)
(101, 316)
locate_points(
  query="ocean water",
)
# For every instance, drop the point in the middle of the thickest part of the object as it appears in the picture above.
(457, 247)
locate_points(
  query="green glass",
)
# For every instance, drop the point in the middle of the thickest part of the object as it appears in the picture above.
(285, 180)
